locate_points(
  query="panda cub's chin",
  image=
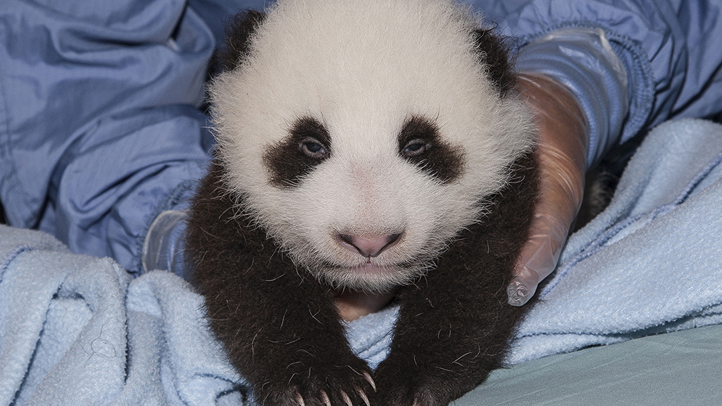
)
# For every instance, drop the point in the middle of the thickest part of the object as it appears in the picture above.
(368, 151)
(369, 276)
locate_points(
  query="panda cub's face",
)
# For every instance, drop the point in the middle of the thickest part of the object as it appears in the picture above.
(363, 135)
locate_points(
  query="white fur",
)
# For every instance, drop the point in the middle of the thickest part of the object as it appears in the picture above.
(362, 68)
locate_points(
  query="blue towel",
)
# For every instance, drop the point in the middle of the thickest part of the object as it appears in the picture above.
(76, 330)
(62, 323)
(651, 262)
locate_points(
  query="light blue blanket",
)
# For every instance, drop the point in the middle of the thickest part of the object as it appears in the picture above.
(76, 330)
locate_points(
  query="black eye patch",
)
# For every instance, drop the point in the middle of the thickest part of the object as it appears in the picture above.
(420, 144)
(307, 145)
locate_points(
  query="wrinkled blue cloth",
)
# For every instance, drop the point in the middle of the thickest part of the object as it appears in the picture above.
(651, 262)
(77, 330)
(101, 125)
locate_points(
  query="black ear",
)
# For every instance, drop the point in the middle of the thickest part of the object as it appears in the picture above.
(239, 30)
(494, 53)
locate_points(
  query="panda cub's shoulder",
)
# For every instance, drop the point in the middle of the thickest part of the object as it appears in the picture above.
(371, 147)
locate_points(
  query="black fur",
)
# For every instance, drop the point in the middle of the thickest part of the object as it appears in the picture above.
(455, 324)
(279, 325)
(238, 32)
(494, 53)
(282, 331)
(435, 157)
(287, 160)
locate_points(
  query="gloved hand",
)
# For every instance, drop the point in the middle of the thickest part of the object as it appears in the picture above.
(561, 150)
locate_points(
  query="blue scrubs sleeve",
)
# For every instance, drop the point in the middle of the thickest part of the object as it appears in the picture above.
(99, 117)
(669, 48)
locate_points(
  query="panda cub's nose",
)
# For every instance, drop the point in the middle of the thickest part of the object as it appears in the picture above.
(368, 245)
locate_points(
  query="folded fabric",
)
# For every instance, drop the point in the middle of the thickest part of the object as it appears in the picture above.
(651, 262)
(76, 330)
(62, 323)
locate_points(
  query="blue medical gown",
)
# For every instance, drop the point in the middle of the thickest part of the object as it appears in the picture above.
(101, 102)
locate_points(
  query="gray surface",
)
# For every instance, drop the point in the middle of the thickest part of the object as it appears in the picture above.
(680, 368)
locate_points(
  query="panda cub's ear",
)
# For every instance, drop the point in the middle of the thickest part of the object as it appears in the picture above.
(494, 53)
(239, 30)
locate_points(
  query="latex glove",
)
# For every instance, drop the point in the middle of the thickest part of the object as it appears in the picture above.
(561, 150)
(164, 244)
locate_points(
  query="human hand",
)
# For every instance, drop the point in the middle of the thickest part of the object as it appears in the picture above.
(561, 152)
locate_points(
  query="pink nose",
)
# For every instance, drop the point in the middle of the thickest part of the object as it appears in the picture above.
(367, 245)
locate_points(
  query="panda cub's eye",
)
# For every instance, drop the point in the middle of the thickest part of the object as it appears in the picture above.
(313, 148)
(415, 148)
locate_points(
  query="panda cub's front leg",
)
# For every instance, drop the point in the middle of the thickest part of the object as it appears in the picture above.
(455, 325)
(279, 326)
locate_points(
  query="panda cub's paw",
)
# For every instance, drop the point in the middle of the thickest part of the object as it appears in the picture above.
(319, 385)
(412, 385)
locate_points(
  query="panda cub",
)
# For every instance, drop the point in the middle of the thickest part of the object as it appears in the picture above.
(373, 146)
